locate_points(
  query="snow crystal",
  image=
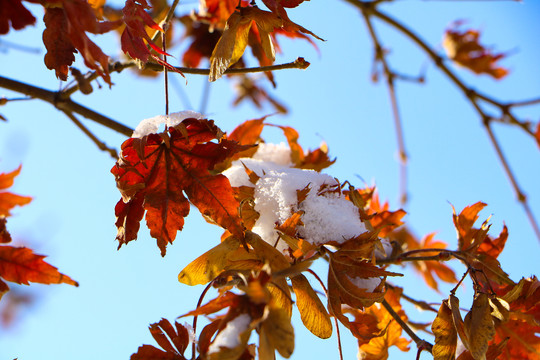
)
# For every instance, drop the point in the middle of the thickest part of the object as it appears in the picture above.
(151, 125)
(275, 153)
(369, 284)
(230, 336)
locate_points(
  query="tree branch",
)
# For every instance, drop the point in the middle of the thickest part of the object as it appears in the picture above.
(62, 103)
(369, 8)
(390, 77)
(420, 343)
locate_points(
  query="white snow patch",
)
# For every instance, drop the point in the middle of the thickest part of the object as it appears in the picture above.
(275, 153)
(230, 336)
(237, 174)
(327, 216)
(151, 125)
(369, 284)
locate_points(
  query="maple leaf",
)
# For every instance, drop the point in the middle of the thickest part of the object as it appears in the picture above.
(134, 35)
(155, 171)
(203, 41)
(9, 200)
(521, 323)
(427, 269)
(174, 340)
(480, 250)
(67, 23)
(15, 14)
(389, 331)
(464, 48)
(20, 265)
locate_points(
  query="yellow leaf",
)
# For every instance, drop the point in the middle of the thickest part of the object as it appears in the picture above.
(230, 46)
(479, 327)
(210, 264)
(279, 332)
(445, 334)
(312, 312)
(458, 321)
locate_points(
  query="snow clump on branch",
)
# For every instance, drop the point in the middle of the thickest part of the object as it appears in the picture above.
(327, 214)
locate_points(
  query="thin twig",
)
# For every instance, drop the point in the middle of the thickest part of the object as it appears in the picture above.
(420, 343)
(370, 9)
(299, 63)
(101, 145)
(419, 303)
(58, 101)
(390, 77)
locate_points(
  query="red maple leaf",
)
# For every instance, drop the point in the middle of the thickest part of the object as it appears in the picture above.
(134, 35)
(157, 172)
(465, 49)
(67, 23)
(20, 265)
(15, 14)
(174, 340)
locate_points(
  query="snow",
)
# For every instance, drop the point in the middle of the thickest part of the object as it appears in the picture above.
(328, 216)
(151, 125)
(279, 154)
(369, 284)
(230, 336)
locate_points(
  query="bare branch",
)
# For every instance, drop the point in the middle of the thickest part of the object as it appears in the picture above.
(64, 104)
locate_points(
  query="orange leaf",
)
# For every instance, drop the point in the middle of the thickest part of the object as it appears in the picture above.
(465, 49)
(9, 200)
(537, 134)
(155, 171)
(21, 265)
(464, 225)
(390, 331)
(522, 326)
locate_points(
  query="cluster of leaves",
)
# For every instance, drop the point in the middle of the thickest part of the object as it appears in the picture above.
(254, 279)
(19, 264)
(160, 175)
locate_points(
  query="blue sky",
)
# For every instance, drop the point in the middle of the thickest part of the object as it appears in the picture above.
(451, 162)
